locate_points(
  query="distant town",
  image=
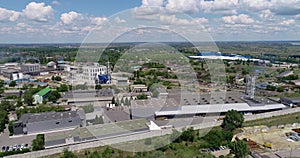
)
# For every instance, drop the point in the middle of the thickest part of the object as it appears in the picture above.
(53, 98)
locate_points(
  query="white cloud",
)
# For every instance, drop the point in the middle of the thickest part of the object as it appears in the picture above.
(256, 5)
(279, 7)
(119, 20)
(98, 20)
(288, 22)
(201, 20)
(266, 14)
(184, 6)
(238, 19)
(8, 15)
(69, 18)
(38, 12)
(55, 2)
(219, 6)
(153, 3)
(173, 20)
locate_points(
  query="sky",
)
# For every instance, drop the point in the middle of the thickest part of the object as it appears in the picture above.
(62, 21)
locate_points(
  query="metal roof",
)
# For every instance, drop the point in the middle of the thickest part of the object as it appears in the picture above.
(218, 108)
(40, 117)
(43, 91)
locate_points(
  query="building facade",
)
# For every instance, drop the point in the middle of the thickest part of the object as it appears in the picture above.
(32, 69)
(90, 73)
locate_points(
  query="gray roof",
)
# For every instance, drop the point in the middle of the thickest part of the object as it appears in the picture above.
(89, 93)
(40, 117)
(217, 108)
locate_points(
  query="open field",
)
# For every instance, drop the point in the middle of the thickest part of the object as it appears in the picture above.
(275, 120)
(277, 137)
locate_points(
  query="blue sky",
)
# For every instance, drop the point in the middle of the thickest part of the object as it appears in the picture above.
(62, 21)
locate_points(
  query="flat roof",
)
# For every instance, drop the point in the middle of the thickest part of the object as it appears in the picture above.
(46, 116)
(103, 130)
(217, 108)
(89, 93)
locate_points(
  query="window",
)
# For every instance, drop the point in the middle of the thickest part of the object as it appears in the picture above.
(57, 123)
(70, 121)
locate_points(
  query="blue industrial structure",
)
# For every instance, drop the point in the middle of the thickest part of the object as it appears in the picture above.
(104, 79)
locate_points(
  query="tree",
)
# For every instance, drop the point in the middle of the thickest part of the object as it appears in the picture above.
(142, 97)
(3, 119)
(12, 84)
(6, 106)
(189, 135)
(98, 86)
(28, 99)
(95, 154)
(239, 148)
(38, 143)
(108, 152)
(280, 89)
(19, 102)
(1, 83)
(98, 120)
(233, 119)
(217, 137)
(271, 88)
(53, 96)
(62, 88)
(68, 154)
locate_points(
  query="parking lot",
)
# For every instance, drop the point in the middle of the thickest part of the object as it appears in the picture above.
(14, 143)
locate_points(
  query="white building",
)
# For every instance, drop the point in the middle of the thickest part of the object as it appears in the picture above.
(33, 69)
(90, 73)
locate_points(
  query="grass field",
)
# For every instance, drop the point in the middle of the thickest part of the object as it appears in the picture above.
(275, 120)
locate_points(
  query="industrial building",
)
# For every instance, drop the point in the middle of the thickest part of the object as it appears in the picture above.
(90, 73)
(222, 56)
(83, 97)
(41, 95)
(195, 104)
(44, 122)
(31, 68)
(138, 88)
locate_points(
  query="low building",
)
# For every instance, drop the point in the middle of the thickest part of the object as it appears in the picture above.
(44, 122)
(290, 101)
(41, 95)
(83, 97)
(138, 88)
(285, 74)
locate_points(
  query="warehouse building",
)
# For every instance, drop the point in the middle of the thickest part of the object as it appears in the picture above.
(195, 104)
(44, 122)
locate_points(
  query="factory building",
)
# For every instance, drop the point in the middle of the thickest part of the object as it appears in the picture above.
(32, 69)
(44, 122)
(90, 73)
